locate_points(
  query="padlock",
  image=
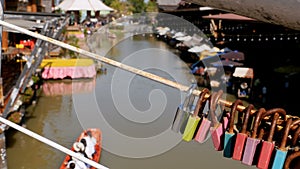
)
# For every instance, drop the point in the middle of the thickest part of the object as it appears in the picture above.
(194, 118)
(289, 160)
(183, 110)
(217, 131)
(294, 147)
(253, 141)
(296, 133)
(204, 126)
(268, 145)
(229, 140)
(242, 136)
(281, 152)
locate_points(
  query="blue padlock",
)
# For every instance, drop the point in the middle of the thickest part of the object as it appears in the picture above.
(229, 140)
(281, 152)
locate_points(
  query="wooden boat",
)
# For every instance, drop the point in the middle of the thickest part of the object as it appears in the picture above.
(96, 133)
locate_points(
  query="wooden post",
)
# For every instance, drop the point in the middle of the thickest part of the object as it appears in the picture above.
(3, 161)
(1, 85)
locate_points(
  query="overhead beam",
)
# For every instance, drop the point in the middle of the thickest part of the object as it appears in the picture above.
(31, 15)
(279, 12)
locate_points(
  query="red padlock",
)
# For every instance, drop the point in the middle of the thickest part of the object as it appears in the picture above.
(268, 145)
(252, 142)
(242, 136)
(229, 139)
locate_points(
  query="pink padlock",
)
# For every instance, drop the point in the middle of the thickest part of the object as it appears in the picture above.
(205, 123)
(217, 130)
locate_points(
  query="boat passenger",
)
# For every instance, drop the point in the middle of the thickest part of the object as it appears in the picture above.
(90, 143)
(76, 165)
(79, 147)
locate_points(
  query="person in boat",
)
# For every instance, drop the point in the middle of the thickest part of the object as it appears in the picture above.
(89, 141)
(79, 149)
(76, 165)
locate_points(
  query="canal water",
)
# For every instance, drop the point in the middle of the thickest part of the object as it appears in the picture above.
(135, 114)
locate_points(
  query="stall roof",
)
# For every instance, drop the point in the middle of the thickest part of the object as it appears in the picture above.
(78, 5)
(26, 24)
(243, 72)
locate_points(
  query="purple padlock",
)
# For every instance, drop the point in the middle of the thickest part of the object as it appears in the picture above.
(253, 141)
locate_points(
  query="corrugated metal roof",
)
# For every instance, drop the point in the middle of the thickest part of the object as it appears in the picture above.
(26, 24)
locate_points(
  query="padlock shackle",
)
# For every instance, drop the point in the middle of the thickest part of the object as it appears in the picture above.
(280, 111)
(246, 118)
(189, 98)
(232, 114)
(257, 120)
(290, 158)
(273, 127)
(213, 105)
(200, 102)
(286, 134)
(297, 133)
(261, 133)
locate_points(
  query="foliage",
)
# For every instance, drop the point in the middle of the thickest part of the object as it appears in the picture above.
(122, 7)
(139, 6)
(73, 40)
(15, 117)
(151, 6)
(107, 2)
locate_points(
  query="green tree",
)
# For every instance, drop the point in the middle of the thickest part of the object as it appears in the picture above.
(123, 7)
(107, 2)
(151, 6)
(138, 6)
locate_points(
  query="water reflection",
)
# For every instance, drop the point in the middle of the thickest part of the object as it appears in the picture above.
(68, 87)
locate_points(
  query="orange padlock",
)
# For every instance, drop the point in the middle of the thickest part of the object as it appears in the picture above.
(268, 145)
(229, 140)
(242, 136)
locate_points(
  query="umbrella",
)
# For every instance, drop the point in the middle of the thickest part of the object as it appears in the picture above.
(196, 40)
(226, 63)
(178, 34)
(184, 38)
(78, 5)
(198, 49)
(233, 55)
(229, 16)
